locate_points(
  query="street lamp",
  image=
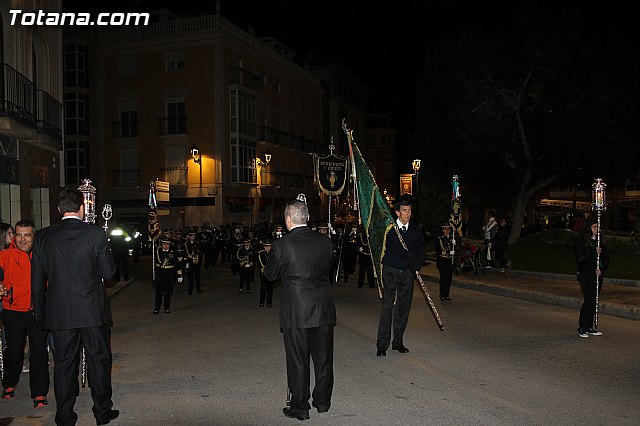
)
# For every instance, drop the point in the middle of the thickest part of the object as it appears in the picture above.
(197, 158)
(416, 170)
(267, 159)
(416, 166)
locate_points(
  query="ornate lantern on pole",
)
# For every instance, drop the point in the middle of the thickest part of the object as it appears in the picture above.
(89, 200)
(598, 204)
(89, 194)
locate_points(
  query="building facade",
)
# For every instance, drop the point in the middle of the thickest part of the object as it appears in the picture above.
(31, 116)
(179, 83)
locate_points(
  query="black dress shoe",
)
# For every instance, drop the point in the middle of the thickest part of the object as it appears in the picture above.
(322, 408)
(300, 416)
(381, 352)
(400, 348)
(113, 414)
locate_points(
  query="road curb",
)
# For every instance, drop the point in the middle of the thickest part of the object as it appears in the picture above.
(608, 308)
(567, 277)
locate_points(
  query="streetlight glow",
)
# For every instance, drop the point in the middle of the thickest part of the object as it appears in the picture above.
(197, 158)
(416, 166)
(195, 153)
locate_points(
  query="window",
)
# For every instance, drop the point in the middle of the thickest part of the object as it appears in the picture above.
(75, 105)
(128, 166)
(176, 118)
(174, 61)
(175, 170)
(76, 65)
(128, 124)
(10, 202)
(76, 155)
(243, 137)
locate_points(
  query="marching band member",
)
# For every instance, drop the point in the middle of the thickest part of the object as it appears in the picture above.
(266, 286)
(444, 250)
(167, 269)
(245, 256)
(193, 252)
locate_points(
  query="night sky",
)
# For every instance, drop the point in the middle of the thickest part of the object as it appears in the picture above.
(382, 42)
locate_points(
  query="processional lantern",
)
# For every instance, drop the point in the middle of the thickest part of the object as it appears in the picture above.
(89, 194)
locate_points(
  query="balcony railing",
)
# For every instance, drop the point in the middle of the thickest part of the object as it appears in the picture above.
(173, 125)
(49, 115)
(125, 129)
(126, 177)
(17, 96)
(174, 175)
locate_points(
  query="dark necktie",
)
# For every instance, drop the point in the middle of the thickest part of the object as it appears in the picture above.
(404, 229)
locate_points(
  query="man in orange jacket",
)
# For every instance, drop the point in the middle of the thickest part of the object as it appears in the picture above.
(19, 321)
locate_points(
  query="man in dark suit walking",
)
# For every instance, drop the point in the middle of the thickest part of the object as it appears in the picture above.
(302, 260)
(70, 262)
(399, 266)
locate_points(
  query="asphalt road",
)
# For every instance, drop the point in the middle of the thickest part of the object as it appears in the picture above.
(218, 359)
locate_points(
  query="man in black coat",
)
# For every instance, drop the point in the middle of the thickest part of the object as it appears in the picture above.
(302, 260)
(70, 262)
(399, 266)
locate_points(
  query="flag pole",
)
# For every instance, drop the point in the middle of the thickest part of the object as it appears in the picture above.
(455, 218)
(423, 287)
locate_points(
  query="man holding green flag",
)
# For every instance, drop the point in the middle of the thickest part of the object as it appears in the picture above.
(399, 265)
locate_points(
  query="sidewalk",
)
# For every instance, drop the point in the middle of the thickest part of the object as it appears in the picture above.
(618, 300)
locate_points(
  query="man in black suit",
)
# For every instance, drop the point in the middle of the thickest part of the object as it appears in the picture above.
(399, 266)
(302, 260)
(70, 262)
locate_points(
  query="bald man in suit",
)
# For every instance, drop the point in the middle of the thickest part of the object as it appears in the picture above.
(302, 260)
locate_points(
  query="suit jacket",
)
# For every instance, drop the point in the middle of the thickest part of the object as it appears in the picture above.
(302, 260)
(70, 261)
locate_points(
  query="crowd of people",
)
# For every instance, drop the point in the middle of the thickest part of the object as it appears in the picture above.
(181, 255)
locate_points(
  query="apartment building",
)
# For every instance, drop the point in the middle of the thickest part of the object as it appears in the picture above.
(227, 118)
(31, 117)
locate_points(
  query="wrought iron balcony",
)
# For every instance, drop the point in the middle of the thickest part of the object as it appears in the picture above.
(126, 177)
(174, 175)
(17, 96)
(49, 115)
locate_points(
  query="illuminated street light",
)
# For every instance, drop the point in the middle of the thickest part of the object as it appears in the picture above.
(416, 166)
(197, 158)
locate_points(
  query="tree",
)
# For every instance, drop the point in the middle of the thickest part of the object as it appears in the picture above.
(519, 110)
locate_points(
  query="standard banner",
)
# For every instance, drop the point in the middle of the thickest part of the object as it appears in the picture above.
(331, 173)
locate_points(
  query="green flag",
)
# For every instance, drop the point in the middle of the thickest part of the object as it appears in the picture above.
(377, 220)
(374, 210)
